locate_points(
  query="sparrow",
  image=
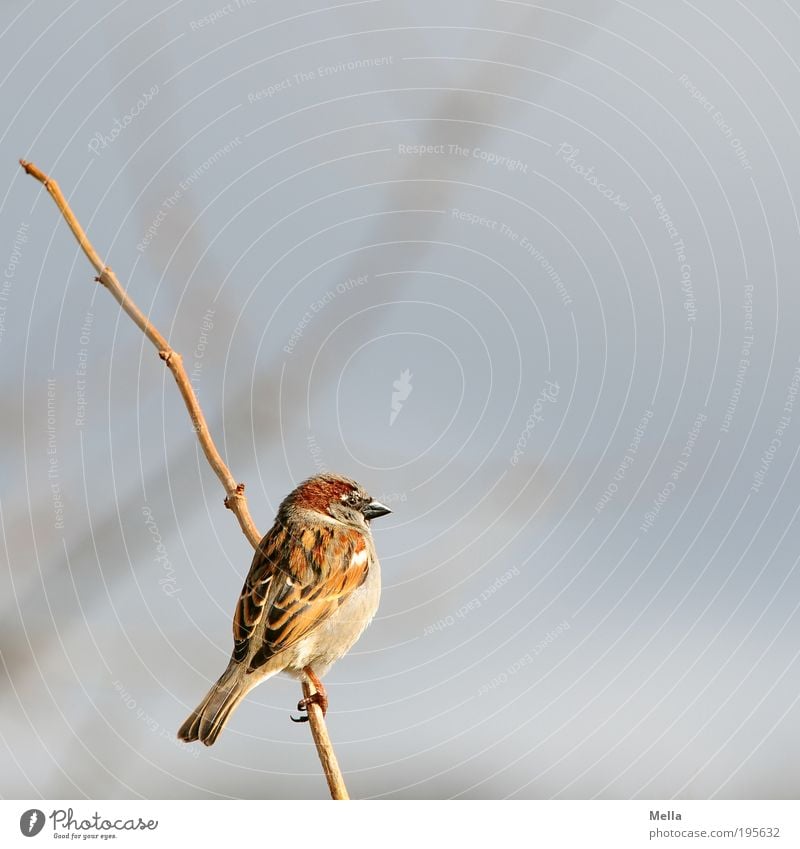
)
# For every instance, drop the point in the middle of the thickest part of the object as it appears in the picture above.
(313, 587)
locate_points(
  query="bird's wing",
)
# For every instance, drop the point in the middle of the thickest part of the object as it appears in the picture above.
(298, 578)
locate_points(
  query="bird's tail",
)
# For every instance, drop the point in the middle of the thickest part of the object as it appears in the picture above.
(210, 716)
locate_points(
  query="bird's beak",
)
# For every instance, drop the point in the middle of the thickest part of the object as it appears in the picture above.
(375, 509)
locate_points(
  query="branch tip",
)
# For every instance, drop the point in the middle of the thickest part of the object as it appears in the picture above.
(31, 169)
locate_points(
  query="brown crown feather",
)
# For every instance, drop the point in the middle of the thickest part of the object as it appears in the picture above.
(319, 492)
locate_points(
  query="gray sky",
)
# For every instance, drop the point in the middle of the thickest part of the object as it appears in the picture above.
(526, 273)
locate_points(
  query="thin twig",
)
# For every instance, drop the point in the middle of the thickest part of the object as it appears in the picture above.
(327, 756)
(235, 498)
(234, 492)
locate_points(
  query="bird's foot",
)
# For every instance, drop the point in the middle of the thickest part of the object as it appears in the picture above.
(320, 699)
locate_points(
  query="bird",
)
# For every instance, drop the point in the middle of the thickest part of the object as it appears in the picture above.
(313, 587)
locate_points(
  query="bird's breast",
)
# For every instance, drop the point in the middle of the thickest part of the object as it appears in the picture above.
(336, 635)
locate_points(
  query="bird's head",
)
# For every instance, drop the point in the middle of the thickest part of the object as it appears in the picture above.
(335, 497)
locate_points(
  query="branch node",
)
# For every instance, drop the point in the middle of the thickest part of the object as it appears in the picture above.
(230, 500)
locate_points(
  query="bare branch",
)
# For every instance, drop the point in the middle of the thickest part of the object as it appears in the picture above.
(234, 492)
(327, 756)
(235, 499)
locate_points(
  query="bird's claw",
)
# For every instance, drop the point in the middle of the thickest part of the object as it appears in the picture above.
(314, 699)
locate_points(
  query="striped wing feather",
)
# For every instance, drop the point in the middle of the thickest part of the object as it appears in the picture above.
(298, 578)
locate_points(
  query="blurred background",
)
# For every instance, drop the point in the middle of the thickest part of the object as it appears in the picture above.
(528, 272)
